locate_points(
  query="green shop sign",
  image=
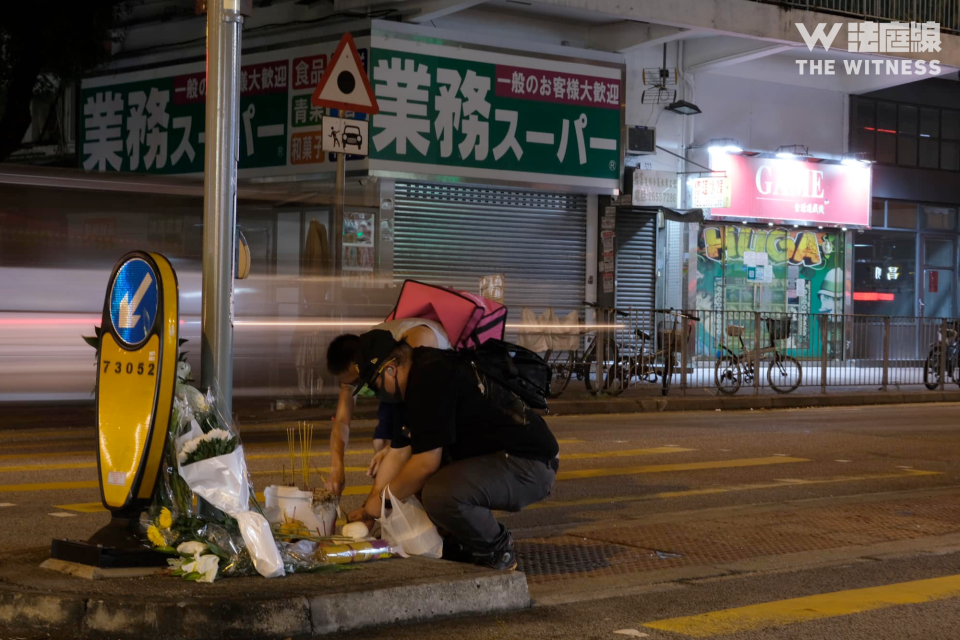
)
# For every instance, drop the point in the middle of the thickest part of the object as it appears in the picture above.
(445, 111)
(470, 113)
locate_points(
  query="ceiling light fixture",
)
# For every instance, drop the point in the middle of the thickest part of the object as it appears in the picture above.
(724, 145)
(683, 107)
(789, 151)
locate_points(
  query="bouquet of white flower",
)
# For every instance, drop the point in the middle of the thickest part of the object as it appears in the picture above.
(213, 466)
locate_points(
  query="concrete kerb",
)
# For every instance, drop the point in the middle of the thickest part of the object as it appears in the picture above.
(30, 613)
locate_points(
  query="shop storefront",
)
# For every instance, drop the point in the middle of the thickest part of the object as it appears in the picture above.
(906, 264)
(498, 172)
(481, 161)
(639, 234)
(780, 243)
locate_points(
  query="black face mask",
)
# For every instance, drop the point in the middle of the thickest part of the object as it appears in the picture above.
(385, 396)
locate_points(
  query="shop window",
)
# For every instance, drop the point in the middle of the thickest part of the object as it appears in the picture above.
(902, 215)
(950, 156)
(938, 253)
(866, 113)
(878, 213)
(929, 153)
(887, 117)
(939, 218)
(951, 125)
(884, 274)
(930, 123)
(886, 148)
(864, 141)
(906, 151)
(908, 120)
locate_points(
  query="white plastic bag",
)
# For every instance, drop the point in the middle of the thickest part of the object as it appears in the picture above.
(530, 335)
(407, 527)
(222, 481)
(258, 537)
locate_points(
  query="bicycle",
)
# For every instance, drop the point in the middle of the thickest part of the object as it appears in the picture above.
(951, 362)
(660, 363)
(565, 364)
(784, 372)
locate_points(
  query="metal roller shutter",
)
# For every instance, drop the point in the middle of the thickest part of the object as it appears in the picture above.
(452, 235)
(636, 259)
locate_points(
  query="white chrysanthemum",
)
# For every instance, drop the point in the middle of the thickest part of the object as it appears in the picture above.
(194, 399)
(183, 371)
(189, 447)
(218, 434)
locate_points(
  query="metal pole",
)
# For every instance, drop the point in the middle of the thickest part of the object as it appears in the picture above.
(824, 340)
(886, 352)
(338, 221)
(221, 154)
(943, 351)
(757, 333)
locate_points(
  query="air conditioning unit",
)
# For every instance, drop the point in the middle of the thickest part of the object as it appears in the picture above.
(641, 141)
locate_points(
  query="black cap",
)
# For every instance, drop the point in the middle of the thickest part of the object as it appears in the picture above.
(375, 347)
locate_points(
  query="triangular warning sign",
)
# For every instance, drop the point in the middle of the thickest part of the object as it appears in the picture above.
(344, 84)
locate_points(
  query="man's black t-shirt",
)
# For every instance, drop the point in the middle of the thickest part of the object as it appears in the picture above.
(444, 407)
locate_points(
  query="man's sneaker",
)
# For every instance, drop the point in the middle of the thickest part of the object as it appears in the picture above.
(500, 561)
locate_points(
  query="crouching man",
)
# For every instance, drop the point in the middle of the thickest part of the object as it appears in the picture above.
(464, 455)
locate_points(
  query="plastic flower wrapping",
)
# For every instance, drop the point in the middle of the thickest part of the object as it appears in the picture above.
(205, 513)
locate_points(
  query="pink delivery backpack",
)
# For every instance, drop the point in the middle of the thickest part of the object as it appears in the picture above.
(468, 319)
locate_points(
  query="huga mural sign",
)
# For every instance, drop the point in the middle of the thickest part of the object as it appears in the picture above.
(743, 269)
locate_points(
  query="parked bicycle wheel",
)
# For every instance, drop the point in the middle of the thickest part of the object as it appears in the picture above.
(595, 373)
(561, 370)
(784, 373)
(931, 369)
(727, 375)
(619, 375)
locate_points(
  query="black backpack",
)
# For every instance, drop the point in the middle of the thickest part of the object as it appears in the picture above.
(512, 378)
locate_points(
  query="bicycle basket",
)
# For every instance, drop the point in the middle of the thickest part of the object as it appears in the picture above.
(778, 328)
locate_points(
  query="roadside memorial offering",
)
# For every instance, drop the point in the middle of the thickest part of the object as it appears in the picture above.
(201, 509)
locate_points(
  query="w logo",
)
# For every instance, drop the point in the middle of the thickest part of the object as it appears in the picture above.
(819, 35)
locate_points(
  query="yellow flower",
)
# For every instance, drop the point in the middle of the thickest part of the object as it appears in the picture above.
(166, 518)
(156, 537)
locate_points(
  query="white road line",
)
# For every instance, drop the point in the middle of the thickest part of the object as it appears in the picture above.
(782, 455)
(62, 514)
(7, 504)
(269, 130)
(604, 144)
(841, 461)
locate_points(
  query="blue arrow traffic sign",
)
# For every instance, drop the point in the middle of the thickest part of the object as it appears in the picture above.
(133, 301)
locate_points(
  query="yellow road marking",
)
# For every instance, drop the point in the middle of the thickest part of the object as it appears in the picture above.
(286, 455)
(97, 507)
(623, 453)
(65, 454)
(809, 608)
(312, 471)
(45, 434)
(49, 467)
(586, 502)
(50, 486)
(666, 468)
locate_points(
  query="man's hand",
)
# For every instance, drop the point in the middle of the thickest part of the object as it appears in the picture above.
(376, 460)
(336, 481)
(369, 512)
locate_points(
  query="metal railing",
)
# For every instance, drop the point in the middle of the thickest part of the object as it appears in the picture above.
(748, 352)
(944, 12)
